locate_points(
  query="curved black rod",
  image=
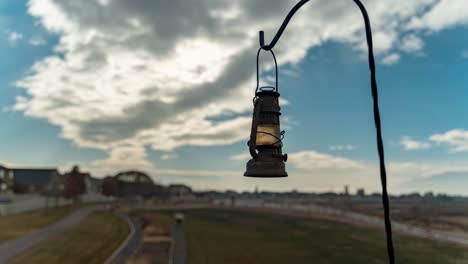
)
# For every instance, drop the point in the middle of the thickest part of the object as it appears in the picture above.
(380, 147)
(281, 29)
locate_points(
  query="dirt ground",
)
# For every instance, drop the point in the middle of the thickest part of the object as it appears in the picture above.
(157, 240)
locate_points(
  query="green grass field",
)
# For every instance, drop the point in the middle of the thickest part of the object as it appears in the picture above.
(228, 236)
(91, 242)
(13, 226)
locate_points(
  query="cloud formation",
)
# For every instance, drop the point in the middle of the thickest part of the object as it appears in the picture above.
(142, 73)
(37, 41)
(464, 54)
(14, 37)
(457, 139)
(412, 43)
(342, 147)
(313, 160)
(168, 156)
(441, 15)
(244, 156)
(410, 144)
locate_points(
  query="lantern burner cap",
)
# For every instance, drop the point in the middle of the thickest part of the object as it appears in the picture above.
(266, 169)
(268, 93)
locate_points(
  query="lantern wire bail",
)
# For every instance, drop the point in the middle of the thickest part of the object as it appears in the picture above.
(266, 88)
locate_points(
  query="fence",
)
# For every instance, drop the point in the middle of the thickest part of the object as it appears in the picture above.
(27, 202)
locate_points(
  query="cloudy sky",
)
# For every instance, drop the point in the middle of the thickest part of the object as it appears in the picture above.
(166, 87)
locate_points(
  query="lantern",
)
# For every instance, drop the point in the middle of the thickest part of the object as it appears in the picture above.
(265, 143)
(266, 138)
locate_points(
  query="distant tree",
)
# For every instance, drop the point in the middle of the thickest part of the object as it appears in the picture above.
(74, 184)
(361, 192)
(109, 186)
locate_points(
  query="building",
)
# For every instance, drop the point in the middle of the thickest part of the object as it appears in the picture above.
(361, 192)
(34, 180)
(30, 180)
(180, 191)
(6, 179)
(136, 184)
(93, 185)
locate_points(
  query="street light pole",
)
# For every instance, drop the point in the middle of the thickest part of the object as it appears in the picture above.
(380, 147)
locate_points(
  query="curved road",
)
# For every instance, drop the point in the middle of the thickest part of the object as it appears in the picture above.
(11, 248)
(131, 244)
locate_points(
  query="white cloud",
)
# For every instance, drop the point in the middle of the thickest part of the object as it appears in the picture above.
(464, 54)
(313, 160)
(156, 73)
(342, 147)
(391, 59)
(122, 158)
(14, 37)
(244, 156)
(456, 138)
(294, 73)
(410, 144)
(37, 41)
(384, 41)
(445, 13)
(403, 172)
(412, 43)
(168, 156)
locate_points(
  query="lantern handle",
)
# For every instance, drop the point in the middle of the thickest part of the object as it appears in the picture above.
(275, 88)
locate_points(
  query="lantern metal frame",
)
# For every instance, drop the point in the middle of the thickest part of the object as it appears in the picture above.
(377, 120)
(258, 90)
(268, 162)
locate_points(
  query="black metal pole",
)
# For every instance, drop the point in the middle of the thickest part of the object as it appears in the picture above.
(375, 98)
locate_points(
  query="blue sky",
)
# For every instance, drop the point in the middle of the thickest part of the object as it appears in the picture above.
(105, 93)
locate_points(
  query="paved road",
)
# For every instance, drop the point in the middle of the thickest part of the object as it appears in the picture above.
(13, 247)
(129, 246)
(180, 248)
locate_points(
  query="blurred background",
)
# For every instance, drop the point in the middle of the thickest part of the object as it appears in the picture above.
(129, 112)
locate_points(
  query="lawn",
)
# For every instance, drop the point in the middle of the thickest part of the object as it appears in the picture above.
(13, 226)
(232, 236)
(92, 241)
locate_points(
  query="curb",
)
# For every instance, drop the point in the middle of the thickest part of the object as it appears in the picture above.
(116, 252)
(171, 252)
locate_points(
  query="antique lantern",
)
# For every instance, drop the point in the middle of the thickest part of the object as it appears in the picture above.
(265, 139)
(265, 144)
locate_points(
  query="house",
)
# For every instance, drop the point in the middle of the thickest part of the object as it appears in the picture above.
(34, 180)
(93, 185)
(136, 184)
(6, 179)
(180, 191)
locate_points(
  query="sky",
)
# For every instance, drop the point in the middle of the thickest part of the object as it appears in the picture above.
(166, 87)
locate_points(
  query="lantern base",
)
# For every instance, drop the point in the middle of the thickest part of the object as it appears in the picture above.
(273, 168)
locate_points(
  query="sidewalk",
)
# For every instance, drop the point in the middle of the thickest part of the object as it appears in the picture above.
(11, 248)
(180, 247)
